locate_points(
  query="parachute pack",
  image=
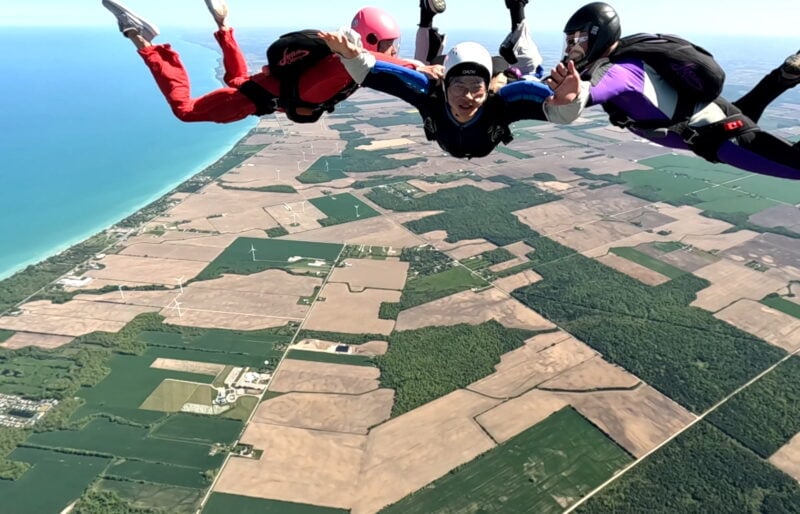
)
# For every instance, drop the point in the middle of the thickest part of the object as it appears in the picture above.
(288, 58)
(688, 68)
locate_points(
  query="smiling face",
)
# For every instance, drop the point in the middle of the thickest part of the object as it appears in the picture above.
(465, 96)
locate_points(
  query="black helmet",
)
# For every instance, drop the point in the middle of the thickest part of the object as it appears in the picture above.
(601, 22)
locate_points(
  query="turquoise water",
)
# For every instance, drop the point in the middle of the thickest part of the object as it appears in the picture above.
(87, 137)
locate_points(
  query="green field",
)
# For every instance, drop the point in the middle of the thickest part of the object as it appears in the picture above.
(201, 429)
(668, 247)
(257, 344)
(512, 153)
(270, 254)
(242, 408)
(332, 358)
(38, 376)
(424, 289)
(139, 471)
(171, 499)
(645, 260)
(5, 335)
(541, 470)
(104, 437)
(783, 305)
(63, 476)
(341, 208)
(220, 503)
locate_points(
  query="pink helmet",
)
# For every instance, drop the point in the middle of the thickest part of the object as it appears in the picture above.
(375, 25)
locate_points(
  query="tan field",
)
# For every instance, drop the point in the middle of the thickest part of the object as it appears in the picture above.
(195, 225)
(437, 239)
(720, 242)
(515, 416)
(168, 250)
(554, 186)
(592, 375)
(472, 308)
(731, 282)
(351, 414)
(55, 325)
(377, 231)
(514, 282)
(244, 303)
(405, 217)
(523, 369)
(72, 319)
(637, 271)
(351, 313)
(557, 216)
(221, 320)
(363, 274)
(772, 326)
(154, 299)
(787, 459)
(302, 466)
(270, 282)
(520, 250)
(320, 377)
(516, 261)
(221, 241)
(638, 420)
(593, 237)
(45, 341)
(202, 368)
(370, 348)
(432, 187)
(383, 145)
(214, 200)
(414, 449)
(144, 270)
(295, 220)
(238, 222)
(469, 250)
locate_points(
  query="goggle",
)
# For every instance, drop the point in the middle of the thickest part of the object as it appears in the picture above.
(386, 44)
(461, 86)
(576, 40)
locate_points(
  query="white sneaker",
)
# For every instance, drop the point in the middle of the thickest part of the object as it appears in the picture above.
(131, 23)
(435, 6)
(218, 9)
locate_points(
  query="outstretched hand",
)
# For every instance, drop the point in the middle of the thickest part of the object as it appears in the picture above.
(432, 71)
(565, 81)
(339, 44)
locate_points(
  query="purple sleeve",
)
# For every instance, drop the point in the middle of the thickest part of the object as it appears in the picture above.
(623, 77)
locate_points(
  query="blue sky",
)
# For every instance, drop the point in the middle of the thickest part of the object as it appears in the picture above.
(677, 16)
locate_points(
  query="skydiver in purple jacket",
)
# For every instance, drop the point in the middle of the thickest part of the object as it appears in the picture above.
(717, 130)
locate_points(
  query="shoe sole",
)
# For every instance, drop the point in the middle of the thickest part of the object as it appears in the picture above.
(219, 10)
(436, 6)
(143, 27)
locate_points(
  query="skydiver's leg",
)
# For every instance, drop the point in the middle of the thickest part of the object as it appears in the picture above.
(778, 81)
(518, 47)
(763, 153)
(429, 42)
(236, 72)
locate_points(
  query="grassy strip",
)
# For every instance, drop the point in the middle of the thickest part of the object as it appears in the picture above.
(645, 260)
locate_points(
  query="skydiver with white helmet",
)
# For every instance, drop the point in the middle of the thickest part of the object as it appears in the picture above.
(304, 98)
(661, 107)
(463, 114)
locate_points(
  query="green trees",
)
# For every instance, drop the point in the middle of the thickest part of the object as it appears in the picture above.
(701, 471)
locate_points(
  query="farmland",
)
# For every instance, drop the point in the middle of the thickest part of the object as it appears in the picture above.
(542, 470)
(221, 503)
(342, 208)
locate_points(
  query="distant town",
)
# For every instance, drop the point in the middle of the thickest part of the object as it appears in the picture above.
(17, 412)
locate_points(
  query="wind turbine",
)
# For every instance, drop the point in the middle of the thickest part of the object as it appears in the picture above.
(298, 165)
(177, 306)
(121, 293)
(356, 206)
(303, 205)
(253, 251)
(180, 283)
(312, 148)
(278, 173)
(327, 168)
(294, 219)
(304, 155)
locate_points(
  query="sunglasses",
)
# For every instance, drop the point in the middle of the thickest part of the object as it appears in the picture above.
(576, 40)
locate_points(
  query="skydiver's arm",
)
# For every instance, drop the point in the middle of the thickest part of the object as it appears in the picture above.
(571, 95)
(525, 99)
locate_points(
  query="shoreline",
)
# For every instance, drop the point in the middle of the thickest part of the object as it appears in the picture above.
(150, 206)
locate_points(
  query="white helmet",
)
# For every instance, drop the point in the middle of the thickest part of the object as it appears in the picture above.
(467, 59)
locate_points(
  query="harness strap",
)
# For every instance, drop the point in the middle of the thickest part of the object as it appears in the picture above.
(706, 140)
(265, 102)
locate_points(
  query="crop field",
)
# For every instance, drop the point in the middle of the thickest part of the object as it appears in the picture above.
(159, 473)
(544, 469)
(242, 408)
(331, 358)
(645, 260)
(5, 335)
(726, 200)
(66, 477)
(780, 304)
(512, 153)
(32, 376)
(257, 344)
(102, 436)
(432, 287)
(203, 429)
(220, 503)
(269, 254)
(342, 208)
(172, 499)
(170, 396)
